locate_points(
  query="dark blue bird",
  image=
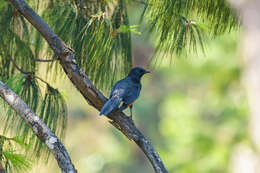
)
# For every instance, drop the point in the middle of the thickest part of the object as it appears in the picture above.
(126, 91)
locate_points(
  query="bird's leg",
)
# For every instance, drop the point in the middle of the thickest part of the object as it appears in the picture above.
(123, 107)
(131, 115)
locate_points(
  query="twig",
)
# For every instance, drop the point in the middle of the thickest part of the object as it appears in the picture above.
(7, 138)
(27, 73)
(81, 81)
(140, 2)
(17, 67)
(45, 60)
(37, 77)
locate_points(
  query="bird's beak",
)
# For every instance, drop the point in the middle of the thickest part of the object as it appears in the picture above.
(147, 71)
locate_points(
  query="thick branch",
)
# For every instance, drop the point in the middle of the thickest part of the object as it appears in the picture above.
(39, 128)
(93, 96)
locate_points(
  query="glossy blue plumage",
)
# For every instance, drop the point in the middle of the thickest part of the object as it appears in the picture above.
(126, 90)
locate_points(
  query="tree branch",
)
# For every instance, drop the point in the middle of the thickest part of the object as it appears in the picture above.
(81, 81)
(39, 128)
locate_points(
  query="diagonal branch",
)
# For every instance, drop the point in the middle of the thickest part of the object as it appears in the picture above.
(81, 81)
(39, 128)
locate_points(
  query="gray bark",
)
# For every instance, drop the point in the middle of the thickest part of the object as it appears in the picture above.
(39, 128)
(81, 81)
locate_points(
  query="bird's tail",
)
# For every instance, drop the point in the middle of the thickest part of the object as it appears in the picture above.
(110, 105)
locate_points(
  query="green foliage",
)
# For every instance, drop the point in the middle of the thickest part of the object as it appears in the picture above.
(180, 24)
(10, 159)
(27, 88)
(100, 33)
(53, 113)
(21, 45)
(16, 162)
(52, 110)
(130, 28)
(101, 49)
(15, 42)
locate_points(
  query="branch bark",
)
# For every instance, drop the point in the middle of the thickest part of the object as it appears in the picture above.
(39, 128)
(81, 81)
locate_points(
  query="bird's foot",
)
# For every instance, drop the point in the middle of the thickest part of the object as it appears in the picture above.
(130, 117)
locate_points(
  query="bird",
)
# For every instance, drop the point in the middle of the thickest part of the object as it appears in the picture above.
(125, 91)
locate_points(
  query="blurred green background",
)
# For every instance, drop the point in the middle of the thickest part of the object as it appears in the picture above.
(194, 111)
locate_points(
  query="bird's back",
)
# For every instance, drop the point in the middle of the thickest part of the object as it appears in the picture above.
(125, 90)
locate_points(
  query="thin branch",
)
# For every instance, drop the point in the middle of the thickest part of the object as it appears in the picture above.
(81, 81)
(45, 60)
(42, 80)
(17, 67)
(140, 2)
(27, 73)
(39, 128)
(7, 138)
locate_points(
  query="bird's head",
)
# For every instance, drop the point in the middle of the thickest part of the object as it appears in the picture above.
(137, 72)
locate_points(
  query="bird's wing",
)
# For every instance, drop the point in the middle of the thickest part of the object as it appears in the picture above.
(124, 90)
(132, 93)
(111, 104)
(119, 88)
(116, 97)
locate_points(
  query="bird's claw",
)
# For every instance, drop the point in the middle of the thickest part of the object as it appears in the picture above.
(130, 118)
